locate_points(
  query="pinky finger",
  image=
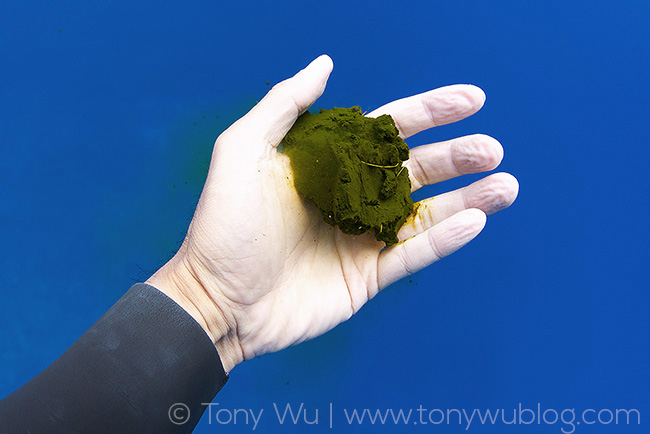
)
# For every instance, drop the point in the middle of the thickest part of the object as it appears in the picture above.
(430, 246)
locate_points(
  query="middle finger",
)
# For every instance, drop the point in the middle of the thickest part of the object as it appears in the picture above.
(436, 162)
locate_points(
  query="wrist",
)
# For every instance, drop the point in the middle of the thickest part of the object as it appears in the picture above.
(177, 280)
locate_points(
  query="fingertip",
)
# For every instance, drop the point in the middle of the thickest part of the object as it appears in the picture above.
(290, 98)
(504, 190)
(322, 65)
(476, 220)
(493, 149)
(497, 147)
(476, 153)
(464, 226)
(455, 102)
(478, 94)
(475, 98)
(313, 80)
(327, 62)
(512, 183)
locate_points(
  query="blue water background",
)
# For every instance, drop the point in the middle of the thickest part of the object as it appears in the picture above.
(108, 113)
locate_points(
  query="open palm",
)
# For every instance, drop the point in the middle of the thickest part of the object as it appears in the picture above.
(261, 270)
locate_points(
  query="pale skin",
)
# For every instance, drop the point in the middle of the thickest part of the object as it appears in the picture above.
(260, 269)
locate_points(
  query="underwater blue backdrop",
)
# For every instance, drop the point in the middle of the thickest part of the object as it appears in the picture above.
(108, 113)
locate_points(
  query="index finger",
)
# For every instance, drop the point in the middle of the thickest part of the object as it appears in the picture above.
(433, 108)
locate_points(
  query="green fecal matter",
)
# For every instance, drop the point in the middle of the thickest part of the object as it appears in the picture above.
(350, 167)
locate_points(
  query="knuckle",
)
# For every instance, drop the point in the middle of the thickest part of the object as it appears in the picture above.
(405, 260)
(435, 248)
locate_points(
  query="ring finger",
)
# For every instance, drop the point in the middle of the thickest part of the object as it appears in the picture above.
(490, 194)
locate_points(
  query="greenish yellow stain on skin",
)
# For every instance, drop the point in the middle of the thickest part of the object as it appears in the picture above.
(350, 167)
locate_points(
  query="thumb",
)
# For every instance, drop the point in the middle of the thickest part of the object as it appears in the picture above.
(268, 122)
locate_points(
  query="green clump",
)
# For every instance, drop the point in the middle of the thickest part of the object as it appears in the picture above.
(350, 167)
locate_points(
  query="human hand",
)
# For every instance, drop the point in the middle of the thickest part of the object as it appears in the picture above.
(261, 270)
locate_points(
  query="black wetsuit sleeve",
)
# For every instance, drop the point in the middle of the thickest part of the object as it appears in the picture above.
(145, 367)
